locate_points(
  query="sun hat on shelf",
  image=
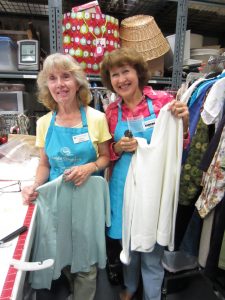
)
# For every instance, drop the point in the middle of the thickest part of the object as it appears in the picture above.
(143, 34)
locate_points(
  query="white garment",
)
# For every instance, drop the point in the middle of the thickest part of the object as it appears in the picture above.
(187, 94)
(152, 188)
(213, 106)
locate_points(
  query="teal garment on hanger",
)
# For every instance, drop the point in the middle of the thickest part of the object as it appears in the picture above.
(70, 227)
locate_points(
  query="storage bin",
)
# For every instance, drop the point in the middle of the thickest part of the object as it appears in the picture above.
(8, 55)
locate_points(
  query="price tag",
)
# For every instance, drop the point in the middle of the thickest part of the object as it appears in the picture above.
(101, 41)
(99, 51)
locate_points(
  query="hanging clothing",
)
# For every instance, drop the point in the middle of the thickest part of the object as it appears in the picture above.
(205, 238)
(195, 104)
(213, 145)
(213, 181)
(118, 178)
(216, 240)
(191, 175)
(151, 189)
(187, 94)
(213, 106)
(70, 227)
(222, 254)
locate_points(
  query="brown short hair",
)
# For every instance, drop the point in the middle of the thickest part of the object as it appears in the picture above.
(121, 57)
(62, 62)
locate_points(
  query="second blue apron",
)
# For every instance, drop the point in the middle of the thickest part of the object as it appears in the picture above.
(118, 178)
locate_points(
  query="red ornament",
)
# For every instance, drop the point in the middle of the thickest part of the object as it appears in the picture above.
(3, 139)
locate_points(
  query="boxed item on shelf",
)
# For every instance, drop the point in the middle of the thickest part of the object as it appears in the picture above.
(88, 36)
(156, 66)
(8, 55)
(11, 87)
(91, 7)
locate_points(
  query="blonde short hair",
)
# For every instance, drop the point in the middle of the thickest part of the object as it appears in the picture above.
(64, 62)
(121, 57)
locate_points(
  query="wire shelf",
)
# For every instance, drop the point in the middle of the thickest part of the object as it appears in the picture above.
(33, 8)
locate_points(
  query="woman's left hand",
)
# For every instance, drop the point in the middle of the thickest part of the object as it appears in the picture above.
(79, 174)
(180, 110)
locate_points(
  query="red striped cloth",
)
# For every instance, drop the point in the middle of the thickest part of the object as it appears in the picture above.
(12, 272)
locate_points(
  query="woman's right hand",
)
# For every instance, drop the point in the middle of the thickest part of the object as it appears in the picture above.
(125, 144)
(29, 194)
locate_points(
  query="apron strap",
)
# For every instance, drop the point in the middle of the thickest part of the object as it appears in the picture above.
(83, 116)
(150, 106)
(119, 113)
(52, 122)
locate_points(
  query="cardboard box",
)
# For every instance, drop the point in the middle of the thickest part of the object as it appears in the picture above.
(91, 7)
(156, 66)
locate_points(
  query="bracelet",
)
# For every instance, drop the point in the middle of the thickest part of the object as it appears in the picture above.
(96, 166)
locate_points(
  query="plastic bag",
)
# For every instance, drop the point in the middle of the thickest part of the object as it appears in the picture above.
(18, 148)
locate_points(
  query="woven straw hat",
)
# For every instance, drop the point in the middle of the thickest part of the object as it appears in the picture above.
(142, 33)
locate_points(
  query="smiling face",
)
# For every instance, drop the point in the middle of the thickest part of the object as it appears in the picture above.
(62, 87)
(125, 82)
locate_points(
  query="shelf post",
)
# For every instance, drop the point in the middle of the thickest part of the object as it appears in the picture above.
(55, 25)
(181, 25)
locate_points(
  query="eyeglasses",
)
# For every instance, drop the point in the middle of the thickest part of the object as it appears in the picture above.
(8, 188)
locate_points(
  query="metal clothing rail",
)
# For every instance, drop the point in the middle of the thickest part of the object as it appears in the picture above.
(214, 60)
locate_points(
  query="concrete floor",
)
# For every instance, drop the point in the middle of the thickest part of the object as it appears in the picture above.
(194, 287)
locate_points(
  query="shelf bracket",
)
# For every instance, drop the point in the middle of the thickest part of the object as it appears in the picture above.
(55, 25)
(181, 25)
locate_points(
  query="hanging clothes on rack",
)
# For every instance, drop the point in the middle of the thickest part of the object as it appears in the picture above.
(101, 97)
(14, 123)
(200, 97)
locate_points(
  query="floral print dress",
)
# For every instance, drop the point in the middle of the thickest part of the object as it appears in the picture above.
(213, 181)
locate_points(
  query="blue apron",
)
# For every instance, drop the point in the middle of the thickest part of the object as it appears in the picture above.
(67, 147)
(119, 173)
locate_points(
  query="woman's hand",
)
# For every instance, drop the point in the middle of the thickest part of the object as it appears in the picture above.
(29, 193)
(125, 144)
(79, 174)
(180, 110)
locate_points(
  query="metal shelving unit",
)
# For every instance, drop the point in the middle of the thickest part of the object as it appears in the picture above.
(53, 9)
(181, 25)
(19, 75)
(55, 25)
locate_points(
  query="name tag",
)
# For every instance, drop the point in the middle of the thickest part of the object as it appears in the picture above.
(80, 138)
(149, 123)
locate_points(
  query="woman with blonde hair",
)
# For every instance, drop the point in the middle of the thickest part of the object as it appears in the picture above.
(73, 141)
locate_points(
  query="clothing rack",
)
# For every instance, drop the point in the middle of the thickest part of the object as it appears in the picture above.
(213, 60)
(98, 88)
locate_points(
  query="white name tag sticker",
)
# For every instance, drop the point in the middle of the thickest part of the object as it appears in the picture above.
(80, 138)
(150, 123)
